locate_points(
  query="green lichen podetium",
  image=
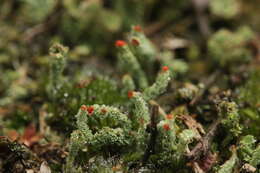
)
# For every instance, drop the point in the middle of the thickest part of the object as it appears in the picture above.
(176, 66)
(128, 83)
(159, 86)
(129, 63)
(229, 111)
(172, 146)
(141, 112)
(58, 62)
(142, 47)
(166, 146)
(168, 132)
(99, 127)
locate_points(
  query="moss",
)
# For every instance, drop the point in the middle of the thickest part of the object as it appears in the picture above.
(249, 96)
(225, 8)
(233, 44)
(230, 164)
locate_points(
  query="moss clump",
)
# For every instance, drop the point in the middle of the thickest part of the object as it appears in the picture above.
(233, 44)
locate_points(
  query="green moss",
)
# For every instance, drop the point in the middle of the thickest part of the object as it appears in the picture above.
(226, 47)
(224, 8)
(249, 95)
(230, 164)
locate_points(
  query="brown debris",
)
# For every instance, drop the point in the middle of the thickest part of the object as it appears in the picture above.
(13, 135)
(208, 161)
(203, 146)
(191, 123)
(30, 136)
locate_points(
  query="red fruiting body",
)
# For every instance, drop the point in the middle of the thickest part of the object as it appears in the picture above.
(165, 68)
(83, 107)
(169, 117)
(138, 28)
(166, 127)
(103, 111)
(135, 42)
(120, 43)
(90, 109)
(130, 94)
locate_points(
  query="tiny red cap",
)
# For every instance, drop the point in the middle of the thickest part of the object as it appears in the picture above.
(120, 43)
(166, 127)
(169, 116)
(83, 107)
(135, 42)
(90, 109)
(130, 94)
(165, 68)
(138, 28)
